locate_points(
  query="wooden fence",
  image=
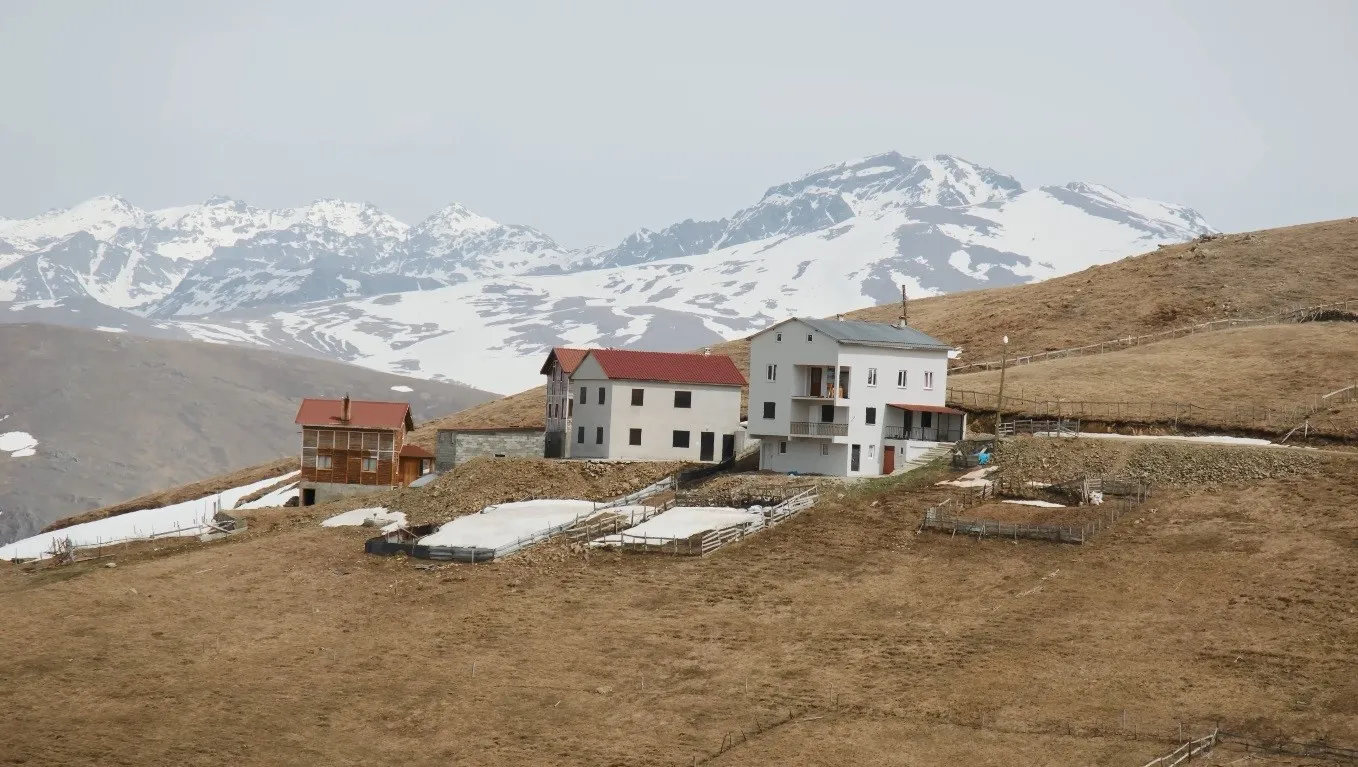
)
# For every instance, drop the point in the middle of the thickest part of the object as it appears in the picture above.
(1059, 426)
(702, 544)
(1290, 314)
(1187, 751)
(1115, 498)
(1276, 419)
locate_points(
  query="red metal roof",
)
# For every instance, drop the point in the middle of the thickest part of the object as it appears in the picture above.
(568, 357)
(414, 451)
(363, 414)
(670, 367)
(928, 409)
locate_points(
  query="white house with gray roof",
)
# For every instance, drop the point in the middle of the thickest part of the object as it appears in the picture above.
(848, 398)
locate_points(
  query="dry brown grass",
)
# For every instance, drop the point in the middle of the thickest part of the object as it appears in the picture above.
(1277, 366)
(192, 490)
(288, 646)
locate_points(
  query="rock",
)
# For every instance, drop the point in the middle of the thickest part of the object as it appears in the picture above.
(111, 564)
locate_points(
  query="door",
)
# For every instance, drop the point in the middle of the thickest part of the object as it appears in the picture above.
(728, 446)
(308, 496)
(888, 459)
(410, 470)
(706, 445)
(827, 413)
(815, 389)
(854, 462)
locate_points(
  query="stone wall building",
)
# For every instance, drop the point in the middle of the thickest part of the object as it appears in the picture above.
(457, 446)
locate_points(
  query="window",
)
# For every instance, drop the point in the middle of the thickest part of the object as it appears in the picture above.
(598, 435)
(926, 420)
(827, 413)
(928, 379)
(782, 447)
(778, 338)
(769, 409)
(871, 416)
(900, 378)
(426, 466)
(324, 462)
(570, 408)
(638, 396)
(771, 372)
(872, 376)
(584, 396)
(824, 449)
(680, 439)
(809, 338)
(871, 449)
(683, 399)
(601, 395)
(580, 435)
(370, 464)
(634, 435)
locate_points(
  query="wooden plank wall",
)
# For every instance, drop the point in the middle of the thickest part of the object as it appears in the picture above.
(346, 449)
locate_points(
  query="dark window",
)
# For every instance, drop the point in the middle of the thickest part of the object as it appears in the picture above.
(601, 395)
(570, 408)
(598, 435)
(768, 409)
(871, 416)
(827, 413)
(634, 435)
(680, 439)
(782, 447)
(638, 396)
(808, 338)
(584, 396)
(926, 420)
(580, 435)
(854, 460)
(683, 399)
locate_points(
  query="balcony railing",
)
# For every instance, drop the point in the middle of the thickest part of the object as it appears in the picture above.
(819, 429)
(825, 392)
(923, 433)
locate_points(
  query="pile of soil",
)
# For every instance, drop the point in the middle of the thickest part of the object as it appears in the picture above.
(483, 481)
(746, 489)
(1163, 464)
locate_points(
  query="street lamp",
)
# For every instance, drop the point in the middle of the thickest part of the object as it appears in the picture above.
(999, 401)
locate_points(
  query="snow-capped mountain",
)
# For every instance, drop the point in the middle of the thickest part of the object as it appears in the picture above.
(461, 297)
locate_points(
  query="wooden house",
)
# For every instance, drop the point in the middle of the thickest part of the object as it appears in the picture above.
(355, 446)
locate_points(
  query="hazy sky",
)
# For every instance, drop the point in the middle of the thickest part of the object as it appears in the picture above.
(591, 119)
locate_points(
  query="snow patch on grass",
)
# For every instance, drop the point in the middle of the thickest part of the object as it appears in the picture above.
(381, 516)
(19, 444)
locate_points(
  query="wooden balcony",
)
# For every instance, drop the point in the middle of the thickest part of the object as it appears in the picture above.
(818, 429)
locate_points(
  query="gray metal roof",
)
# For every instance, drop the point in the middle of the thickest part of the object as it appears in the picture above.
(858, 332)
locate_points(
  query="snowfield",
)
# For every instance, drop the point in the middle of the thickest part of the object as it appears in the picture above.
(270, 500)
(504, 524)
(19, 444)
(381, 516)
(684, 522)
(179, 519)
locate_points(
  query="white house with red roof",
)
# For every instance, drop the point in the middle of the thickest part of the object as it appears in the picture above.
(656, 406)
(848, 398)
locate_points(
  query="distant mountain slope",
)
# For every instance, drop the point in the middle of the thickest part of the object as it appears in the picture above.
(461, 297)
(115, 416)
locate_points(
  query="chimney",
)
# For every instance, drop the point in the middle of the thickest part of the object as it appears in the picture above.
(344, 408)
(707, 350)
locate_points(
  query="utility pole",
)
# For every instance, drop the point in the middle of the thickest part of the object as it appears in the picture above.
(905, 316)
(999, 401)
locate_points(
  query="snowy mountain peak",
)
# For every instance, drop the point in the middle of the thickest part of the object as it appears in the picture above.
(100, 216)
(892, 180)
(352, 219)
(454, 219)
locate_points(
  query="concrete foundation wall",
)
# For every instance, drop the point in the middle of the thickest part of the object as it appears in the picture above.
(457, 447)
(333, 491)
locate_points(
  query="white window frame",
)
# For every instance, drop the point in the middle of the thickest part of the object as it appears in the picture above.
(329, 462)
(778, 338)
(809, 338)
(771, 372)
(902, 378)
(872, 449)
(928, 380)
(824, 448)
(364, 467)
(872, 376)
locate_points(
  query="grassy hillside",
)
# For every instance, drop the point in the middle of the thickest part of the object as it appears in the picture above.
(841, 637)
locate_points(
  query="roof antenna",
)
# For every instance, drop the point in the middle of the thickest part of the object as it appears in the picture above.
(905, 316)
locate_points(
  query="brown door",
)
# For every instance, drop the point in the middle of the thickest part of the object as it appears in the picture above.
(888, 459)
(815, 389)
